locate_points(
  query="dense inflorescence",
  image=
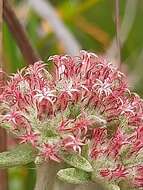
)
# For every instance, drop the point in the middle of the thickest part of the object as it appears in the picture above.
(85, 101)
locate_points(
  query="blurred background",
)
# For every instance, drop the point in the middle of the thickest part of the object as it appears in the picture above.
(65, 26)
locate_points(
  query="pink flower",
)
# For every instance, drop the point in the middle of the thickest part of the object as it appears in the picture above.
(65, 66)
(45, 93)
(99, 135)
(103, 88)
(82, 125)
(73, 143)
(63, 127)
(67, 87)
(116, 143)
(45, 109)
(105, 173)
(86, 61)
(29, 137)
(109, 119)
(17, 120)
(112, 174)
(36, 70)
(62, 101)
(49, 151)
(137, 144)
(11, 117)
(138, 178)
(119, 172)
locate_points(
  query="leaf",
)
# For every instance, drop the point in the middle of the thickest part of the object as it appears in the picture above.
(85, 150)
(21, 155)
(73, 175)
(77, 161)
(113, 187)
(126, 184)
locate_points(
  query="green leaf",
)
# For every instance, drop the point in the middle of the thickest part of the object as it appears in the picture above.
(126, 185)
(77, 161)
(21, 155)
(113, 187)
(73, 175)
(85, 150)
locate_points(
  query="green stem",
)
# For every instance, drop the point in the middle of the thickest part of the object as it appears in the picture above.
(64, 186)
(46, 174)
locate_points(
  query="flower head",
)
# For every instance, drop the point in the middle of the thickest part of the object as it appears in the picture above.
(85, 101)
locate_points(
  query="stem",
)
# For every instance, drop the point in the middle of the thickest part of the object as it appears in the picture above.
(117, 22)
(59, 185)
(46, 174)
(48, 13)
(3, 172)
(29, 53)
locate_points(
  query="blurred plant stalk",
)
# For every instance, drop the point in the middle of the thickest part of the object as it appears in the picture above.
(117, 24)
(70, 44)
(29, 53)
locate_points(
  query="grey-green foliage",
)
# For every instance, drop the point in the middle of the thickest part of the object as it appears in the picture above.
(77, 161)
(21, 155)
(74, 176)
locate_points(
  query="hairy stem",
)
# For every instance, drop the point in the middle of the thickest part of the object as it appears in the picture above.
(46, 174)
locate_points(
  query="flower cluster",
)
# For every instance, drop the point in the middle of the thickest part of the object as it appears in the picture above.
(85, 101)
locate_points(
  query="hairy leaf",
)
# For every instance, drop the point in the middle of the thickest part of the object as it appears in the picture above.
(21, 155)
(73, 175)
(114, 187)
(77, 161)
